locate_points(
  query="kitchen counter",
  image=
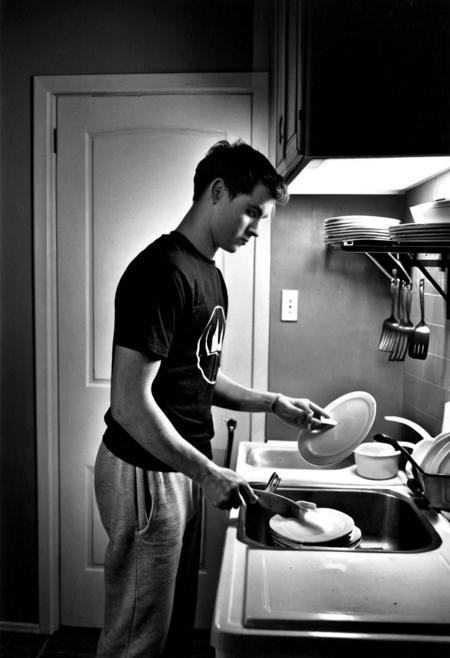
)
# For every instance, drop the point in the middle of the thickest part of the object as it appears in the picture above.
(346, 476)
(273, 602)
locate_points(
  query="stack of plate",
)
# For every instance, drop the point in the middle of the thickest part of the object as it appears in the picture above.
(436, 460)
(347, 228)
(319, 527)
(420, 233)
(431, 453)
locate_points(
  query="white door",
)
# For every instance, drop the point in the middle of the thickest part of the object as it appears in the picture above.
(125, 166)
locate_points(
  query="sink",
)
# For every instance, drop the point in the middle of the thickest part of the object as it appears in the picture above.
(389, 522)
(271, 457)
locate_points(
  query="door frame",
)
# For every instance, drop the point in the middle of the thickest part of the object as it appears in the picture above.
(46, 90)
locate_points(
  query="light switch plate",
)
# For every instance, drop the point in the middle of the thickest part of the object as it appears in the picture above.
(289, 305)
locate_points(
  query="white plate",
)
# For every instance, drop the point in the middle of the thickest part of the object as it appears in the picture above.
(350, 541)
(440, 455)
(418, 454)
(354, 413)
(320, 525)
(444, 466)
(433, 457)
(362, 220)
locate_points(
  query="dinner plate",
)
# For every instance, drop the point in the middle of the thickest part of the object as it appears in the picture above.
(420, 230)
(366, 231)
(444, 466)
(362, 220)
(351, 540)
(435, 464)
(355, 236)
(433, 457)
(355, 413)
(320, 525)
(441, 454)
(418, 454)
(350, 233)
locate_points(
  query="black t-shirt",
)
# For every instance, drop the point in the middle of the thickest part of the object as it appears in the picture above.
(171, 304)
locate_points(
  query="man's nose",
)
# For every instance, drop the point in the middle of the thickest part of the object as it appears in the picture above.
(253, 229)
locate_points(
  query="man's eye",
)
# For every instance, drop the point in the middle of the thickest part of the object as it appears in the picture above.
(251, 214)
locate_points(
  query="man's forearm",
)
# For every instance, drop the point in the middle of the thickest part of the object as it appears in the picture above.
(150, 427)
(231, 395)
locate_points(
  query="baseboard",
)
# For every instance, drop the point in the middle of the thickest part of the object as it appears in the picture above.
(18, 627)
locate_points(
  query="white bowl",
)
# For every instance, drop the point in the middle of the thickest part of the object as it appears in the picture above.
(434, 212)
(377, 461)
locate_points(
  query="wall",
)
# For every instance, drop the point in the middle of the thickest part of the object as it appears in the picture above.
(54, 37)
(427, 382)
(343, 299)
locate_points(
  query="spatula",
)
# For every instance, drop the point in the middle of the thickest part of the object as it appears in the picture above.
(391, 323)
(418, 346)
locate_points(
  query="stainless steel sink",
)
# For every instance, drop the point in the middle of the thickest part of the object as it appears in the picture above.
(389, 522)
(271, 457)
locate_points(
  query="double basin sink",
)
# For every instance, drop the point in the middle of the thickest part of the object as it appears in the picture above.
(389, 521)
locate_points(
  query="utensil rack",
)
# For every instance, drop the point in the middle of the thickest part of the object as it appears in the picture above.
(397, 249)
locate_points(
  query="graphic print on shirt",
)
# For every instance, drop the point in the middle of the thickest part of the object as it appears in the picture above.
(209, 346)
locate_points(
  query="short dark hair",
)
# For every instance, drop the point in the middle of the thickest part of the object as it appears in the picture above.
(241, 167)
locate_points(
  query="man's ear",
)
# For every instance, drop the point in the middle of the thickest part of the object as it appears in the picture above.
(217, 189)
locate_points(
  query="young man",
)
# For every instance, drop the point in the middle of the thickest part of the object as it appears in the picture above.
(154, 464)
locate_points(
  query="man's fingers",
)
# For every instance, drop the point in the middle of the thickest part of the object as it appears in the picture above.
(318, 410)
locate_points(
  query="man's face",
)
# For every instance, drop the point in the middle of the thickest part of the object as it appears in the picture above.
(237, 220)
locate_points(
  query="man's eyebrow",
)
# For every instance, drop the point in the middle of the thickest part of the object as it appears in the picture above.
(256, 208)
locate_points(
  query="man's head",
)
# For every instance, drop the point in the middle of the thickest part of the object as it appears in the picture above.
(241, 168)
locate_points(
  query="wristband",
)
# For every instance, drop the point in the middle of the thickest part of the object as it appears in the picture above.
(274, 402)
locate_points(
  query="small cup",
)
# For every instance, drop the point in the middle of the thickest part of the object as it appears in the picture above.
(378, 461)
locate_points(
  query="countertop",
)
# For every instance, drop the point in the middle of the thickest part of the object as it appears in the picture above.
(270, 600)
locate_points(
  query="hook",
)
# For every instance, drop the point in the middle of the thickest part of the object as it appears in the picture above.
(398, 262)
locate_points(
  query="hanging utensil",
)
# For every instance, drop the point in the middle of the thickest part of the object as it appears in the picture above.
(390, 324)
(420, 338)
(397, 331)
(406, 327)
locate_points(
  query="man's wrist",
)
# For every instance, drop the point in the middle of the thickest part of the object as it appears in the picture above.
(274, 403)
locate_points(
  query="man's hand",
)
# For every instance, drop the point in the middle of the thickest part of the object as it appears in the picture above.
(298, 411)
(225, 489)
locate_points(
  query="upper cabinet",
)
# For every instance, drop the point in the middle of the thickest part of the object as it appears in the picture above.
(289, 53)
(360, 79)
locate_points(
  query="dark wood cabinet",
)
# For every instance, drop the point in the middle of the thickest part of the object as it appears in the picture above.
(289, 50)
(356, 78)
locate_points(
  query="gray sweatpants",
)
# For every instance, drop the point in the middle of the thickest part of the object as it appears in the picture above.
(153, 522)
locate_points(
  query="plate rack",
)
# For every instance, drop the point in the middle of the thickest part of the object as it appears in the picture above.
(407, 255)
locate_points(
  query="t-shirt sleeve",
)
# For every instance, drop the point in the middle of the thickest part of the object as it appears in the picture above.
(148, 307)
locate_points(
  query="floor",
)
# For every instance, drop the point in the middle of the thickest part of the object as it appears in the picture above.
(69, 642)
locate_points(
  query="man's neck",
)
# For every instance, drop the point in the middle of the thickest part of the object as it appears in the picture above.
(195, 227)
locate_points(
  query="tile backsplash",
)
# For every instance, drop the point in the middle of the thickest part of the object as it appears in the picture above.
(427, 383)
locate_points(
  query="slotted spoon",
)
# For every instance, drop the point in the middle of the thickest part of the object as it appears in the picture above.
(420, 338)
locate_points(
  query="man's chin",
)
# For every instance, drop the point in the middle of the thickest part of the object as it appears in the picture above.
(231, 249)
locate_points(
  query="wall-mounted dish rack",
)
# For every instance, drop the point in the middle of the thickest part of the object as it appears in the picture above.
(407, 255)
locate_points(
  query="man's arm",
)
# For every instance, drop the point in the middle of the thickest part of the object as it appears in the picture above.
(295, 411)
(135, 409)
